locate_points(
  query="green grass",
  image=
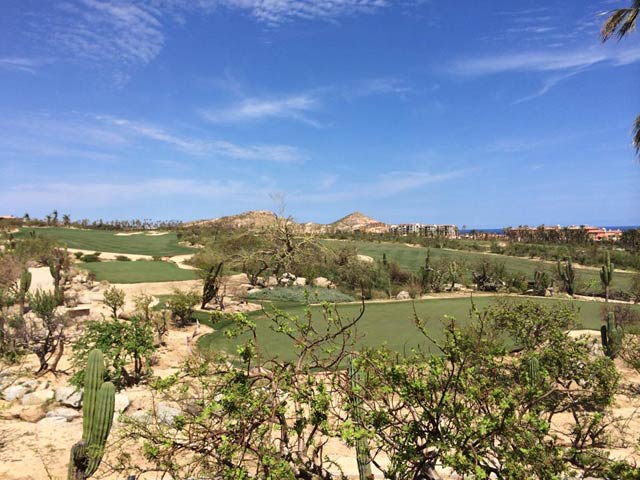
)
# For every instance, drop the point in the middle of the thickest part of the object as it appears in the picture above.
(412, 258)
(296, 294)
(108, 241)
(138, 272)
(386, 323)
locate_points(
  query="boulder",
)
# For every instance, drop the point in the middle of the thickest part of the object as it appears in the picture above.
(141, 416)
(403, 295)
(166, 413)
(300, 281)
(52, 421)
(254, 290)
(322, 282)
(30, 384)
(122, 402)
(69, 396)
(31, 414)
(365, 258)
(64, 412)
(14, 392)
(38, 397)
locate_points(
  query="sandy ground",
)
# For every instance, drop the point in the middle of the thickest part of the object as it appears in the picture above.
(158, 288)
(41, 279)
(112, 255)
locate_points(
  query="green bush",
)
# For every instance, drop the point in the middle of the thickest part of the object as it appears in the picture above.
(123, 258)
(90, 258)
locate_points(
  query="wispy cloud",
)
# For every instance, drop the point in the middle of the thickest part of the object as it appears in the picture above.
(386, 185)
(98, 193)
(295, 107)
(544, 61)
(277, 12)
(206, 147)
(22, 64)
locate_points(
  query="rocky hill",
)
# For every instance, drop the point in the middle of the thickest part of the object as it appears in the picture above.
(258, 219)
(355, 221)
(251, 220)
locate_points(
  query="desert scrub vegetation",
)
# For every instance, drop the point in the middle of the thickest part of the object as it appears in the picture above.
(299, 294)
(480, 406)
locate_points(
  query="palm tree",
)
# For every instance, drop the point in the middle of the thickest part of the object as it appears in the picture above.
(55, 217)
(636, 135)
(66, 219)
(621, 22)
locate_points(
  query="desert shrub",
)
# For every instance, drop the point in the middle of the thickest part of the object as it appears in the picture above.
(181, 305)
(90, 258)
(157, 258)
(634, 291)
(78, 255)
(114, 298)
(397, 274)
(123, 258)
(127, 347)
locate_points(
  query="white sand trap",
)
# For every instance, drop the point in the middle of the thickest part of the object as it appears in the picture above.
(180, 260)
(148, 234)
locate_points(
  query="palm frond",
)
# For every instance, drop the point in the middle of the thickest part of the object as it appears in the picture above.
(636, 135)
(621, 22)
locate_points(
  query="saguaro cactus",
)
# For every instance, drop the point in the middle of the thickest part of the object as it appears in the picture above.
(606, 275)
(97, 415)
(611, 336)
(362, 447)
(567, 276)
(533, 366)
(25, 284)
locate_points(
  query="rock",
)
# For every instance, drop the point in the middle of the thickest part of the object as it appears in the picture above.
(122, 402)
(52, 421)
(254, 290)
(365, 258)
(38, 397)
(69, 396)
(124, 315)
(403, 295)
(31, 414)
(14, 392)
(30, 384)
(64, 412)
(141, 416)
(84, 299)
(322, 282)
(300, 281)
(166, 414)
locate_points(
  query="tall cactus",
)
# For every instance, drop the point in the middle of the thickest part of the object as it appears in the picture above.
(567, 276)
(25, 284)
(533, 367)
(98, 406)
(611, 336)
(606, 275)
(363, 456)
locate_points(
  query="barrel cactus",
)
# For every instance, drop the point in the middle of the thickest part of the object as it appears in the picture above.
(97, 416)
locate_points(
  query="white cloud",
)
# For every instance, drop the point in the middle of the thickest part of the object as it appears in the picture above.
(22, 64)
(108, 194)
(386, 185)
(293, 107)
(201, 147)
(276, 12)
(544, 61)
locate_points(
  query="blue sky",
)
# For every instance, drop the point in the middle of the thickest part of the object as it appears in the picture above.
(483, 114)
